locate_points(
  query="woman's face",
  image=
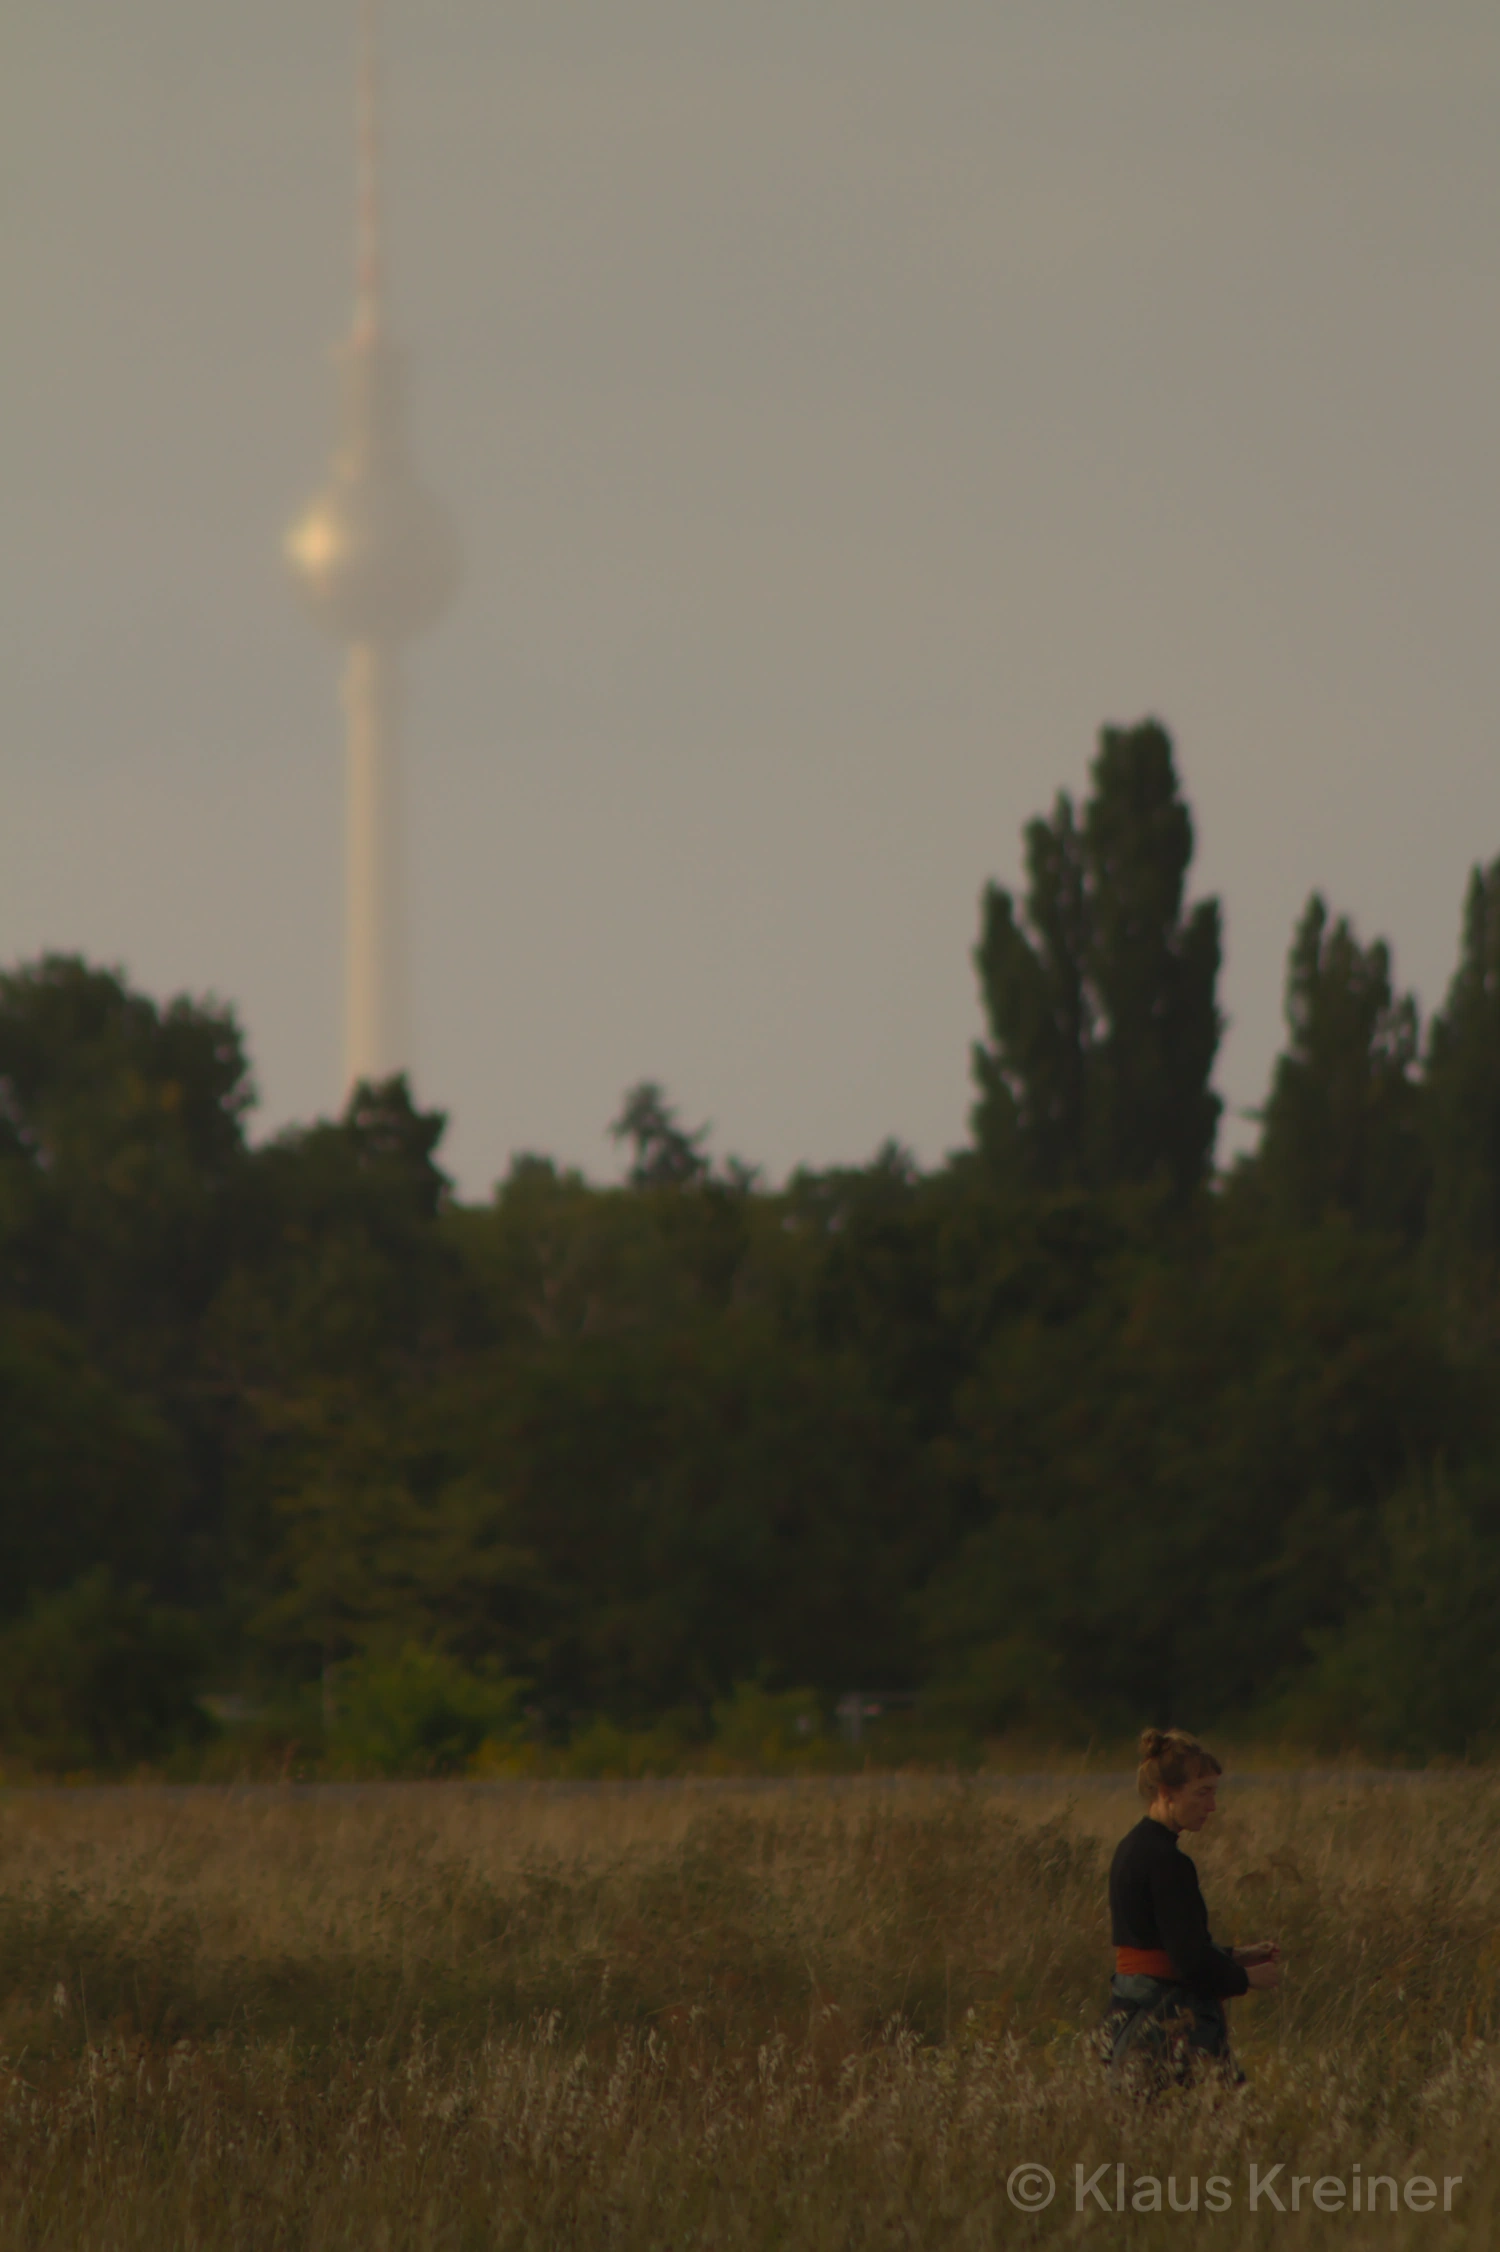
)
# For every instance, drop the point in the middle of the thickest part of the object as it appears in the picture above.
(1190, 1807)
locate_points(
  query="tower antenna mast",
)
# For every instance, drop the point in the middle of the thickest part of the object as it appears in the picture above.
(369, 257)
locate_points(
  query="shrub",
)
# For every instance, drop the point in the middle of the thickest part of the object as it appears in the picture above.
(420, 1713)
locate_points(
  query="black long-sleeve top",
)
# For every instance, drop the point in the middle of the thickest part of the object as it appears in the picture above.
(1155, 1901)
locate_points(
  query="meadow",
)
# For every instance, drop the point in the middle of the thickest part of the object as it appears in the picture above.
(823, 2014)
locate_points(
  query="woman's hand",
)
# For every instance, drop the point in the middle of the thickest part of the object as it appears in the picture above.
(1261, 1964)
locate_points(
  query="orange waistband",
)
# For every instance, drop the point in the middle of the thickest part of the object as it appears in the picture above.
(1143, 1962)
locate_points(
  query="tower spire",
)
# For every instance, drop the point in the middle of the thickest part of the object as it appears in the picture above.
(369, 260)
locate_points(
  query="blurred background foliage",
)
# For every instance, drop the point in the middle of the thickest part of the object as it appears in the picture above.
(1070, 1432)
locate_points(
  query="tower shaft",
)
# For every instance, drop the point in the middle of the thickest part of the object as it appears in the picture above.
(376, 1042)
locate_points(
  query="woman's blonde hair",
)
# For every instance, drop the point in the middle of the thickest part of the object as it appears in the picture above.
(1171, 1757)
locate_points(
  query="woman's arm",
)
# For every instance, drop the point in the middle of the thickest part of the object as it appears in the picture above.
(1182, 1920)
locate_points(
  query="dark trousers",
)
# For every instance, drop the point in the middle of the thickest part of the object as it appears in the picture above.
(1159, 2033)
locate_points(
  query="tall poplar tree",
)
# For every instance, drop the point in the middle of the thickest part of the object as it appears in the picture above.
(1101, 997)
(1463, 1100)
(1342, 1126)
(1031, 1113)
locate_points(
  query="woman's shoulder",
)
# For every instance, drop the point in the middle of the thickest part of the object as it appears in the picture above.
(1148, 1837)
(1137, 1840)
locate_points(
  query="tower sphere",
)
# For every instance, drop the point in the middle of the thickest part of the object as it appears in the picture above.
(375, 554)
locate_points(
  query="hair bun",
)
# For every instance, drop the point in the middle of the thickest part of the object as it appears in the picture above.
(1171, 1757)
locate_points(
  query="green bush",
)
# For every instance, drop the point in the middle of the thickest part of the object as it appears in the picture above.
(767, 1727)
(421, 1713)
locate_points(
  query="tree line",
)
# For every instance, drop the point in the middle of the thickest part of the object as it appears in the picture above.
(1070, 1431)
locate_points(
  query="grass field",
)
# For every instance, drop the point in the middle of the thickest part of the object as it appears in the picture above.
(433, 2016)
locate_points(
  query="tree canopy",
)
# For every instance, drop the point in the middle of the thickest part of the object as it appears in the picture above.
(1068, 1432)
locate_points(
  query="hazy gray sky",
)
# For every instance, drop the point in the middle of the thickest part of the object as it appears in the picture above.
(847, 407)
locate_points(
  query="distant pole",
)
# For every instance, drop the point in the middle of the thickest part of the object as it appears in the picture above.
(377, 561)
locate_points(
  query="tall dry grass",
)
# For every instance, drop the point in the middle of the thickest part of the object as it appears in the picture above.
(434, 2017)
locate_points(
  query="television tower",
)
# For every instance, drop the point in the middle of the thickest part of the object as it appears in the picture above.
(377, 561)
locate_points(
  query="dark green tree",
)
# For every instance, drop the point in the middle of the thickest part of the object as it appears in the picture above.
(1032, 1113)
(345, 1297)
(341, 1269)
(89, 1475)
(122, 1167)
(700, 1503)
(1101, 1000)
(666, 1155)
(1463, 1103)
(121, 1155)
(1183, 1475)
(1415, 1668)
(98, 1675)
(1342, 1126)
(1153, 967)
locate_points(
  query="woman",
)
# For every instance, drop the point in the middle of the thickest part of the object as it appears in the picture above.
(1171, 1981)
